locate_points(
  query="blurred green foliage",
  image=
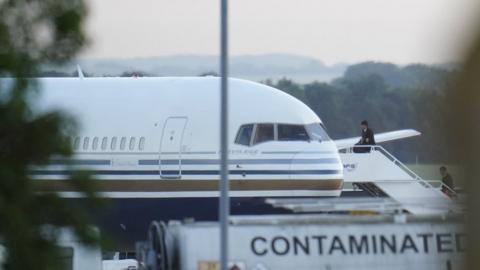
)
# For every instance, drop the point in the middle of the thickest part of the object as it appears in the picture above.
(390, 98)
(34, 32)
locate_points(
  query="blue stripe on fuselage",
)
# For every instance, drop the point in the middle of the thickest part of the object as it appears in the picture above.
(190, 172)
(197, 161)
(79, 162)
(237, 161)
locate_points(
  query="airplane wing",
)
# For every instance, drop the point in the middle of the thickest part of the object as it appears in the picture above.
(379, 138)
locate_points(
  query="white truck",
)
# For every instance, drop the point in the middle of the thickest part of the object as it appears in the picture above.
(310, 242)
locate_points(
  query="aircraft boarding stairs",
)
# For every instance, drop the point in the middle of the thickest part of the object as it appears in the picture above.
(391, 188)
(380, 174)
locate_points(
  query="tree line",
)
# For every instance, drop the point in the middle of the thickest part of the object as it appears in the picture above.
(390, 98)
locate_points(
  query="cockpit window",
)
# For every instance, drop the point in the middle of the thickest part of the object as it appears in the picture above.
(292, 133)
(244, 134)
(317, 132)
(264, 133)
(280, 132)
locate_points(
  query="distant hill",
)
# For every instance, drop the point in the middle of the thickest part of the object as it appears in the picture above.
(253, 67)
(300, 69)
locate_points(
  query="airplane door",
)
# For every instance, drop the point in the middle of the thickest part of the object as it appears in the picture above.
(170, 147)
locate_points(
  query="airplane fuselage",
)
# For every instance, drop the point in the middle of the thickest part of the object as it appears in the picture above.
(153, 146)
(159, 138)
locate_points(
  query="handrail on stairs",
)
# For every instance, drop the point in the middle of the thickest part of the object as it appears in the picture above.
(426, 184)
(442, 186)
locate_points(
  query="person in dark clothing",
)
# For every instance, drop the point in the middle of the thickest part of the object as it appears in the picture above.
(447, 180)
(368, 138)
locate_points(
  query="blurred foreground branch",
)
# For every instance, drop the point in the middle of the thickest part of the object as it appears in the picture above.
(34, 32)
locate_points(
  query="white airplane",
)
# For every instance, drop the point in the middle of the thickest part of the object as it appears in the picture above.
(158, 138)
(135, 130)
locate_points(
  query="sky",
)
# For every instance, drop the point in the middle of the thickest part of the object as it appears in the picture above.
(333, 31)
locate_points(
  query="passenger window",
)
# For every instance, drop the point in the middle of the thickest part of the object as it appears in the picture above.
(244, 134)
(104, 143)
(264, 133)
(86, 141)
(123, 141)
(95, 143)
(292, 133)
(113, 143)
(131, 146)
(76, 143)
(141, 144)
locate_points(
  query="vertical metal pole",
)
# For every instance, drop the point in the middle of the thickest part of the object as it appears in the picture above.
(224, 207)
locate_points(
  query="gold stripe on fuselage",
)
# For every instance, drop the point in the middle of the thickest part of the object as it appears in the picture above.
(192, 185)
